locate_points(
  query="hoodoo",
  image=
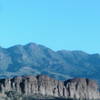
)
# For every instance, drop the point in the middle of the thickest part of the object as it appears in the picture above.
(77, 88)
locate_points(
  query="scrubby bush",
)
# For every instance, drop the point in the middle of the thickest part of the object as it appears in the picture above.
(13, 95)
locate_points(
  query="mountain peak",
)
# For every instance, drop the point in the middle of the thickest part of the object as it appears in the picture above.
(31, 44)
(41, 59)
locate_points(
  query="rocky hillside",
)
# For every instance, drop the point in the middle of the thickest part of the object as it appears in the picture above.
(77, 88)
(34, 59)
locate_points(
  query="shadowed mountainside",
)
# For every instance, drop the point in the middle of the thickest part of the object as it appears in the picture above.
(34, 59)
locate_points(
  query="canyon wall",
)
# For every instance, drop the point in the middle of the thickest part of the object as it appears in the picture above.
(77, 88)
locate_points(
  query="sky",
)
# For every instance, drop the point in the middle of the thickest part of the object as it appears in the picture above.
(57, 24)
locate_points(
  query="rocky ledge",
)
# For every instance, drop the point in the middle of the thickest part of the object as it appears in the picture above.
(77, 88)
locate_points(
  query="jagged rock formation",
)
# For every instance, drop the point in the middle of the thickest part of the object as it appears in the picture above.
(74, 88)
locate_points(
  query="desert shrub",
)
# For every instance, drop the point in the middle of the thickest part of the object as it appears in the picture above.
(13, 95)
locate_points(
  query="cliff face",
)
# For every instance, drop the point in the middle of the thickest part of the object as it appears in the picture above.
(74, 88)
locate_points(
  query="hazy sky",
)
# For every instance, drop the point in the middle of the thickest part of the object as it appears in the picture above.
(57, 24)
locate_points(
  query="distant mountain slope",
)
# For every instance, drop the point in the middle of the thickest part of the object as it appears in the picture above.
(33, 59)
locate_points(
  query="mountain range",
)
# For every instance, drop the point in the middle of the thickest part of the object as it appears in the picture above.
(34, 59)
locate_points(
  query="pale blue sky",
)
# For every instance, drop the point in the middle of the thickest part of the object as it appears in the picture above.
(57, 24)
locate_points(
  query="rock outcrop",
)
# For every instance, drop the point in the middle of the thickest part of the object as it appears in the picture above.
(74, 88)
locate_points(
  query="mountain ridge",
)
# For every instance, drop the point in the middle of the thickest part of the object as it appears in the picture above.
(33, 43)
(61, 64)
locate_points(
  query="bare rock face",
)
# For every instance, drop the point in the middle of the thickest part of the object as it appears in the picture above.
(82, 88)
(74, 88)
